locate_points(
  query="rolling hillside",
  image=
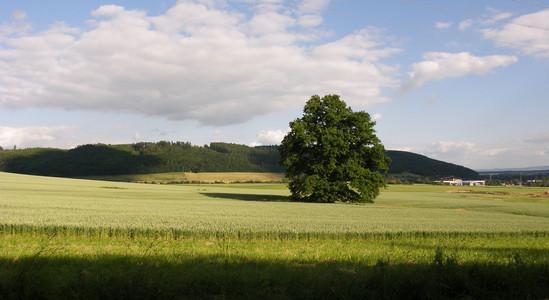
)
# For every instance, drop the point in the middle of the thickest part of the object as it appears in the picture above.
(408, 162)
(146, 158)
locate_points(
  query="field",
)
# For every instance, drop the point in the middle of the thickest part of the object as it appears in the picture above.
(188, 177)
(99, 239)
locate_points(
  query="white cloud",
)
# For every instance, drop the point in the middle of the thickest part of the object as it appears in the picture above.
(316, 4)
(451, 147)
(308, 18)
(527, 32)
(536, 40)
(494, 16)
(269, 137)
(16, 27)
(484, 155)
(195, 62)
(443, 25)
(18, 15)
(501, 17)
(464, 149)
(464, 25)
(26, 137)
(467, 154)
(442, 65)
(377, 117)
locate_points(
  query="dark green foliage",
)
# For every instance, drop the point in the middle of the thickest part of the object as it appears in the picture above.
(81, 161)
(222, 276)
(43, 161)
(332, 154)
(144, 158)
(140, 158)
(408, 162)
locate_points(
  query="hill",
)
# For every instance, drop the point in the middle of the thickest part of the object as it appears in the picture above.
(408, 162)
(161, 157)
(140, 158)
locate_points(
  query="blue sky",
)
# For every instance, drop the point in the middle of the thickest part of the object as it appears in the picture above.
(462, 81)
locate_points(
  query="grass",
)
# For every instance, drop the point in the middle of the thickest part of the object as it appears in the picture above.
(254, 210)
(390, 268)
(67, 238)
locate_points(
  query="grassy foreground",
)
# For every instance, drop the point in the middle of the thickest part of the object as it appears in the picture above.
(63, 238)
(34, 267)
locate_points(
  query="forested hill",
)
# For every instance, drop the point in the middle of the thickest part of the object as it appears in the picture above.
(144, 158)
(408, 162)
(141, 158)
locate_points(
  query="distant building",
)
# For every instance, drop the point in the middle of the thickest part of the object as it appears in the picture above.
(453, 181)
(457, 181)
(474, 182)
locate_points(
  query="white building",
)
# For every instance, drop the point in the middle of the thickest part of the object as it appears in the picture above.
(474, 182)
(457, 181)
(453, 181)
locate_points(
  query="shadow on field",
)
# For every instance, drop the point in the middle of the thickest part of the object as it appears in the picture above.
(511, 252)
(232, 276)
(248, 197)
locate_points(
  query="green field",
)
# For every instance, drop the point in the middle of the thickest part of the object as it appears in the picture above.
(102, 239)
(258, 210)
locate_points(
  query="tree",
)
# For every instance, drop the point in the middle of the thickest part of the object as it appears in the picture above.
(332, 154)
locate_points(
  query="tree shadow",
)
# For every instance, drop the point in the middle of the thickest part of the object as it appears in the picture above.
(248, 197)
(227, 275)
(496, 251)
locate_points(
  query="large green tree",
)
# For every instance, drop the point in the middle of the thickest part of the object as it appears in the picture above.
(332, 154)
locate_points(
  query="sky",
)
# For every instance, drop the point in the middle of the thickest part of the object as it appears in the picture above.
(465, 82)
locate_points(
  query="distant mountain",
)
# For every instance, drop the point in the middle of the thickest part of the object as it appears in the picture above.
(537, 168)
(518, 175)
(144, 158)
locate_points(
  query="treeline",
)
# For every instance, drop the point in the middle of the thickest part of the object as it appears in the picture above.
(160, 157)
(140, 158)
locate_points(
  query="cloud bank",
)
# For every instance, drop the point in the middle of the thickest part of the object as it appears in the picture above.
(33, 136)
(442, 65)
(197, 61)
(487, 154)
(269, 137)
(531, 41)
(528, 33)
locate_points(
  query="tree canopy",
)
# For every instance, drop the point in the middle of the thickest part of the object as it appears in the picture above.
(140, 158)
(332, 154)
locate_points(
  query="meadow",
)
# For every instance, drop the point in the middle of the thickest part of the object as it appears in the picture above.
(71, 238)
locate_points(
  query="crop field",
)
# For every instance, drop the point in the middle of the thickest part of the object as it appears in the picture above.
(189, 177)
(104, 239)
(258, 210)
